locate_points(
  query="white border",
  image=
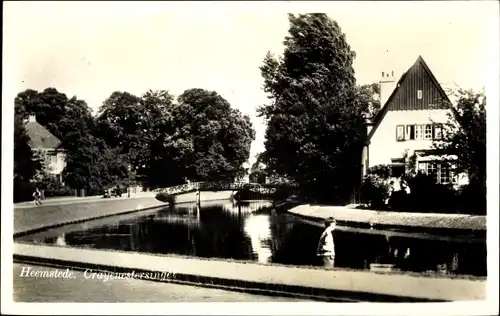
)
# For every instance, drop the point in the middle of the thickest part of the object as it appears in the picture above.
(459, 308)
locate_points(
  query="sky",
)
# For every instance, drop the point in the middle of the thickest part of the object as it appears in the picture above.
(92, 49)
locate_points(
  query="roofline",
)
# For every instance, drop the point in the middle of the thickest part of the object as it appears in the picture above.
(385, 108)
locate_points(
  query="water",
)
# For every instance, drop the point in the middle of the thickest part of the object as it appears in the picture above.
(256, 232)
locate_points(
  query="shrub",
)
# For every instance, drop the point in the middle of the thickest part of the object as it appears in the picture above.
(381, 171)
(375, 187)
(166, 198)
(52, 187)
(23, 190)
(472, 198)
(427, 196)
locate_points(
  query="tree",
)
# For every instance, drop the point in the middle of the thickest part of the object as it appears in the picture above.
(315, 121)
(94, 166)
(212, 139)
(118, 123)
(258, 172)
(161, 165)
(464, 136)
(26, 163)
(368, 97)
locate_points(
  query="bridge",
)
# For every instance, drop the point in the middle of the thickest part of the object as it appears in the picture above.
(265, 189)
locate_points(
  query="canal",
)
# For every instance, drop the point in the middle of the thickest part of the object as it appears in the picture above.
(256, 232)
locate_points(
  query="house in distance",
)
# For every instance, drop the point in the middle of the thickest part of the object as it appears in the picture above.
(413, 111)
(47, 145)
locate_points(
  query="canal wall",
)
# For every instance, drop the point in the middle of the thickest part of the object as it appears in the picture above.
(28, 220)
(391, 219)
(313, 283)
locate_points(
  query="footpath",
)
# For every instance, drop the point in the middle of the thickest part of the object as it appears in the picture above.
(308, 282)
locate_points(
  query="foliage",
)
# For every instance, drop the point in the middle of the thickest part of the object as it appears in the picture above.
(198, 138)
(465, 135)
(213, 139)
(375, 186)
(428, 196)
(23, 190)
(126, 123)
(94, 166)
(166, 198)
(465, 138)
(382, 171)
(368, 97)
(52, 187)
(26, 162)
(315, 122)
(258, 172)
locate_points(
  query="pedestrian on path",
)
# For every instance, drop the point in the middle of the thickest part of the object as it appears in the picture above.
(37, 197)
(326, 245)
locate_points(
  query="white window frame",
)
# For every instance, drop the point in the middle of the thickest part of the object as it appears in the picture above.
(427, 166)
(427, 131)
(419, 94)
(419, 132)
(400, 133)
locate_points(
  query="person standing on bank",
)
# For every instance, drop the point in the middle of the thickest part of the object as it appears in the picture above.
(326, 246)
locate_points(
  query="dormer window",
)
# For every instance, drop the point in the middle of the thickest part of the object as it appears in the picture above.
(419, 94)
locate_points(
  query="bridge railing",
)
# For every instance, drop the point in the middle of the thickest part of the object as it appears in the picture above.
(216, 186)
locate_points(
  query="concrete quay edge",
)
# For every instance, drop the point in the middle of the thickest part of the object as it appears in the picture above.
(392, 219)
(316, 284)
(81, 220)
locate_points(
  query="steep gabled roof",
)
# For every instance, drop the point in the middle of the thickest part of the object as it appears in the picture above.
(40, 137)
(420, 61)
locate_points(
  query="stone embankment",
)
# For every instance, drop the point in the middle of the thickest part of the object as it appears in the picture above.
(391, 219)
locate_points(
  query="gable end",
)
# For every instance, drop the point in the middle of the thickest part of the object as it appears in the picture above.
(406, 96)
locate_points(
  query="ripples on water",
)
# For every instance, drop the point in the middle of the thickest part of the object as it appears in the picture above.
(254, 231)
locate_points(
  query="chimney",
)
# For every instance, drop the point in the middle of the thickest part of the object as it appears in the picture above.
(32, 118)
(387, 85)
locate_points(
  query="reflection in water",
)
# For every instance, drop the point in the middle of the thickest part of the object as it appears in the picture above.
(254, 231)
(258, 229)
(60, 241)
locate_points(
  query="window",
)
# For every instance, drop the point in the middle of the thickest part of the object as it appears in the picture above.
(410, 131)
(440, 171)
(419, 131)
(400, 133)
(419, 94)
(438, 131)
(428, 132)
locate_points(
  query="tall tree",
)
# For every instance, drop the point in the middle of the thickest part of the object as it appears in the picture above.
(212, 138)
(118, 124)
(315, 121)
